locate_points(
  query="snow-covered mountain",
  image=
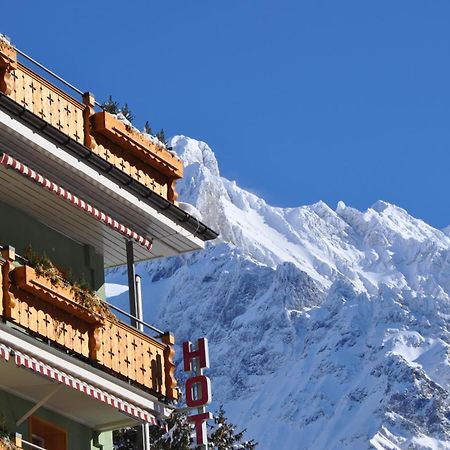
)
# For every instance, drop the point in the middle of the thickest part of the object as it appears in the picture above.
(328, 329)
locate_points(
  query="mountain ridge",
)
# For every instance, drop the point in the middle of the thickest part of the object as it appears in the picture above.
(328, 329)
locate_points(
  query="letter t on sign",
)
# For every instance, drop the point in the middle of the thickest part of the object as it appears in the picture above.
(200, 427)
(202, 354)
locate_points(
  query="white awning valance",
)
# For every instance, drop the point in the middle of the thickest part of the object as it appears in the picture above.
(12, 163)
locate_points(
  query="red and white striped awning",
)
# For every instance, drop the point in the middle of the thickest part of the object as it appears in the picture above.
(5, 352)
(10, 162)
(23, 360)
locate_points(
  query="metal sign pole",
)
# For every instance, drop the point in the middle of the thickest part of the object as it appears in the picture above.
(131, 281)
(135, 303)
(140, 326)
(202, 409)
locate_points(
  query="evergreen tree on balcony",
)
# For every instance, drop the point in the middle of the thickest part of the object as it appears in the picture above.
(113, 107)
(125, 110)
(147, 128)
(161, 135)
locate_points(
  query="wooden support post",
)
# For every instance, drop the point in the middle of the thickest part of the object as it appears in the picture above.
(8, 301)
(170, 383)
(89, 111)
(8, 63)
(172, 194)
(94, 342)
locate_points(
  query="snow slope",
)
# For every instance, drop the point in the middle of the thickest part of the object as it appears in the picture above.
(446, 230)
(329, 329)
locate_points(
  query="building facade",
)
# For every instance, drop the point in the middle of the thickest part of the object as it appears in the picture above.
(81, 191)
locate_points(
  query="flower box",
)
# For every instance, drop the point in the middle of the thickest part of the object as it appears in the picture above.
(136, 143)
(27, 279)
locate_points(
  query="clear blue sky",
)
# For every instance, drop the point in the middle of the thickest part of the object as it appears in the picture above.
(301, 100)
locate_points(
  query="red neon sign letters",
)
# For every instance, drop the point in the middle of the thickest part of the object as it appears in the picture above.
(198, 387)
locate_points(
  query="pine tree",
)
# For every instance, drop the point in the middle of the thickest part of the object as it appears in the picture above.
(125, 439)
(179, 435)
(147, 128)
(162, 137)
(223, 437)
(111, 106)
(125, 110)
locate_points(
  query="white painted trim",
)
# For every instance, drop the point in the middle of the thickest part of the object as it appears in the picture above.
(40, 403)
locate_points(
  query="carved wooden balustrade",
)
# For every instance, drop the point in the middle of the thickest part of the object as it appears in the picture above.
(48, 102)
(52, 312)
(118, 143)
(40, 97)
(14, 442)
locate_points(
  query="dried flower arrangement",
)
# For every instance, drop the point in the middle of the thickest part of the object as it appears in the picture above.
(6, 442)
(87, 298)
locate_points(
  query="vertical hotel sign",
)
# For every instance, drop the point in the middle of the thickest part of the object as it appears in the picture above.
(198, 387)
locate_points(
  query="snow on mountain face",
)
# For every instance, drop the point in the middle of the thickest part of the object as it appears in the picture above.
(447, 230)
(328, 329)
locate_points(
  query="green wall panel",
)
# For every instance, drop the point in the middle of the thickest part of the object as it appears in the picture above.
(80, 437)
(20, 230)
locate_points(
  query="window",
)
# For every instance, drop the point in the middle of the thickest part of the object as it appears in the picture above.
(38, 440)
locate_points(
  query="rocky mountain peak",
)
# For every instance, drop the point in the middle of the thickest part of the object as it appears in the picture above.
(329, 329)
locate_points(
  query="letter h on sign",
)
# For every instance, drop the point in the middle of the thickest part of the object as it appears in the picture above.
(202, 354)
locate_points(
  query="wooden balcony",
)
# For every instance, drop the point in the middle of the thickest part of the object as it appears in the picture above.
(52, 312)
(121, 145)
(14, 442)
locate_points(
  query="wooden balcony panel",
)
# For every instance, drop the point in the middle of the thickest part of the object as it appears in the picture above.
(48, 102)
(136, 143)
(132, 354)
(132, 166)
(150, 164)
(50, 323)
(140, 367)
(49, 311)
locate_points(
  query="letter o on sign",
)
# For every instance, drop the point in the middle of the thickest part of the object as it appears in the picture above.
(203, 391)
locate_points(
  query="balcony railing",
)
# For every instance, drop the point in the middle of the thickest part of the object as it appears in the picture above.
(52, 312)
(121, 145)
(17, 442)
(48, 102)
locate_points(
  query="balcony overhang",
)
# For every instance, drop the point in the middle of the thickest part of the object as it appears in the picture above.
(73, 167)
(98, 401)
(11, 163)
